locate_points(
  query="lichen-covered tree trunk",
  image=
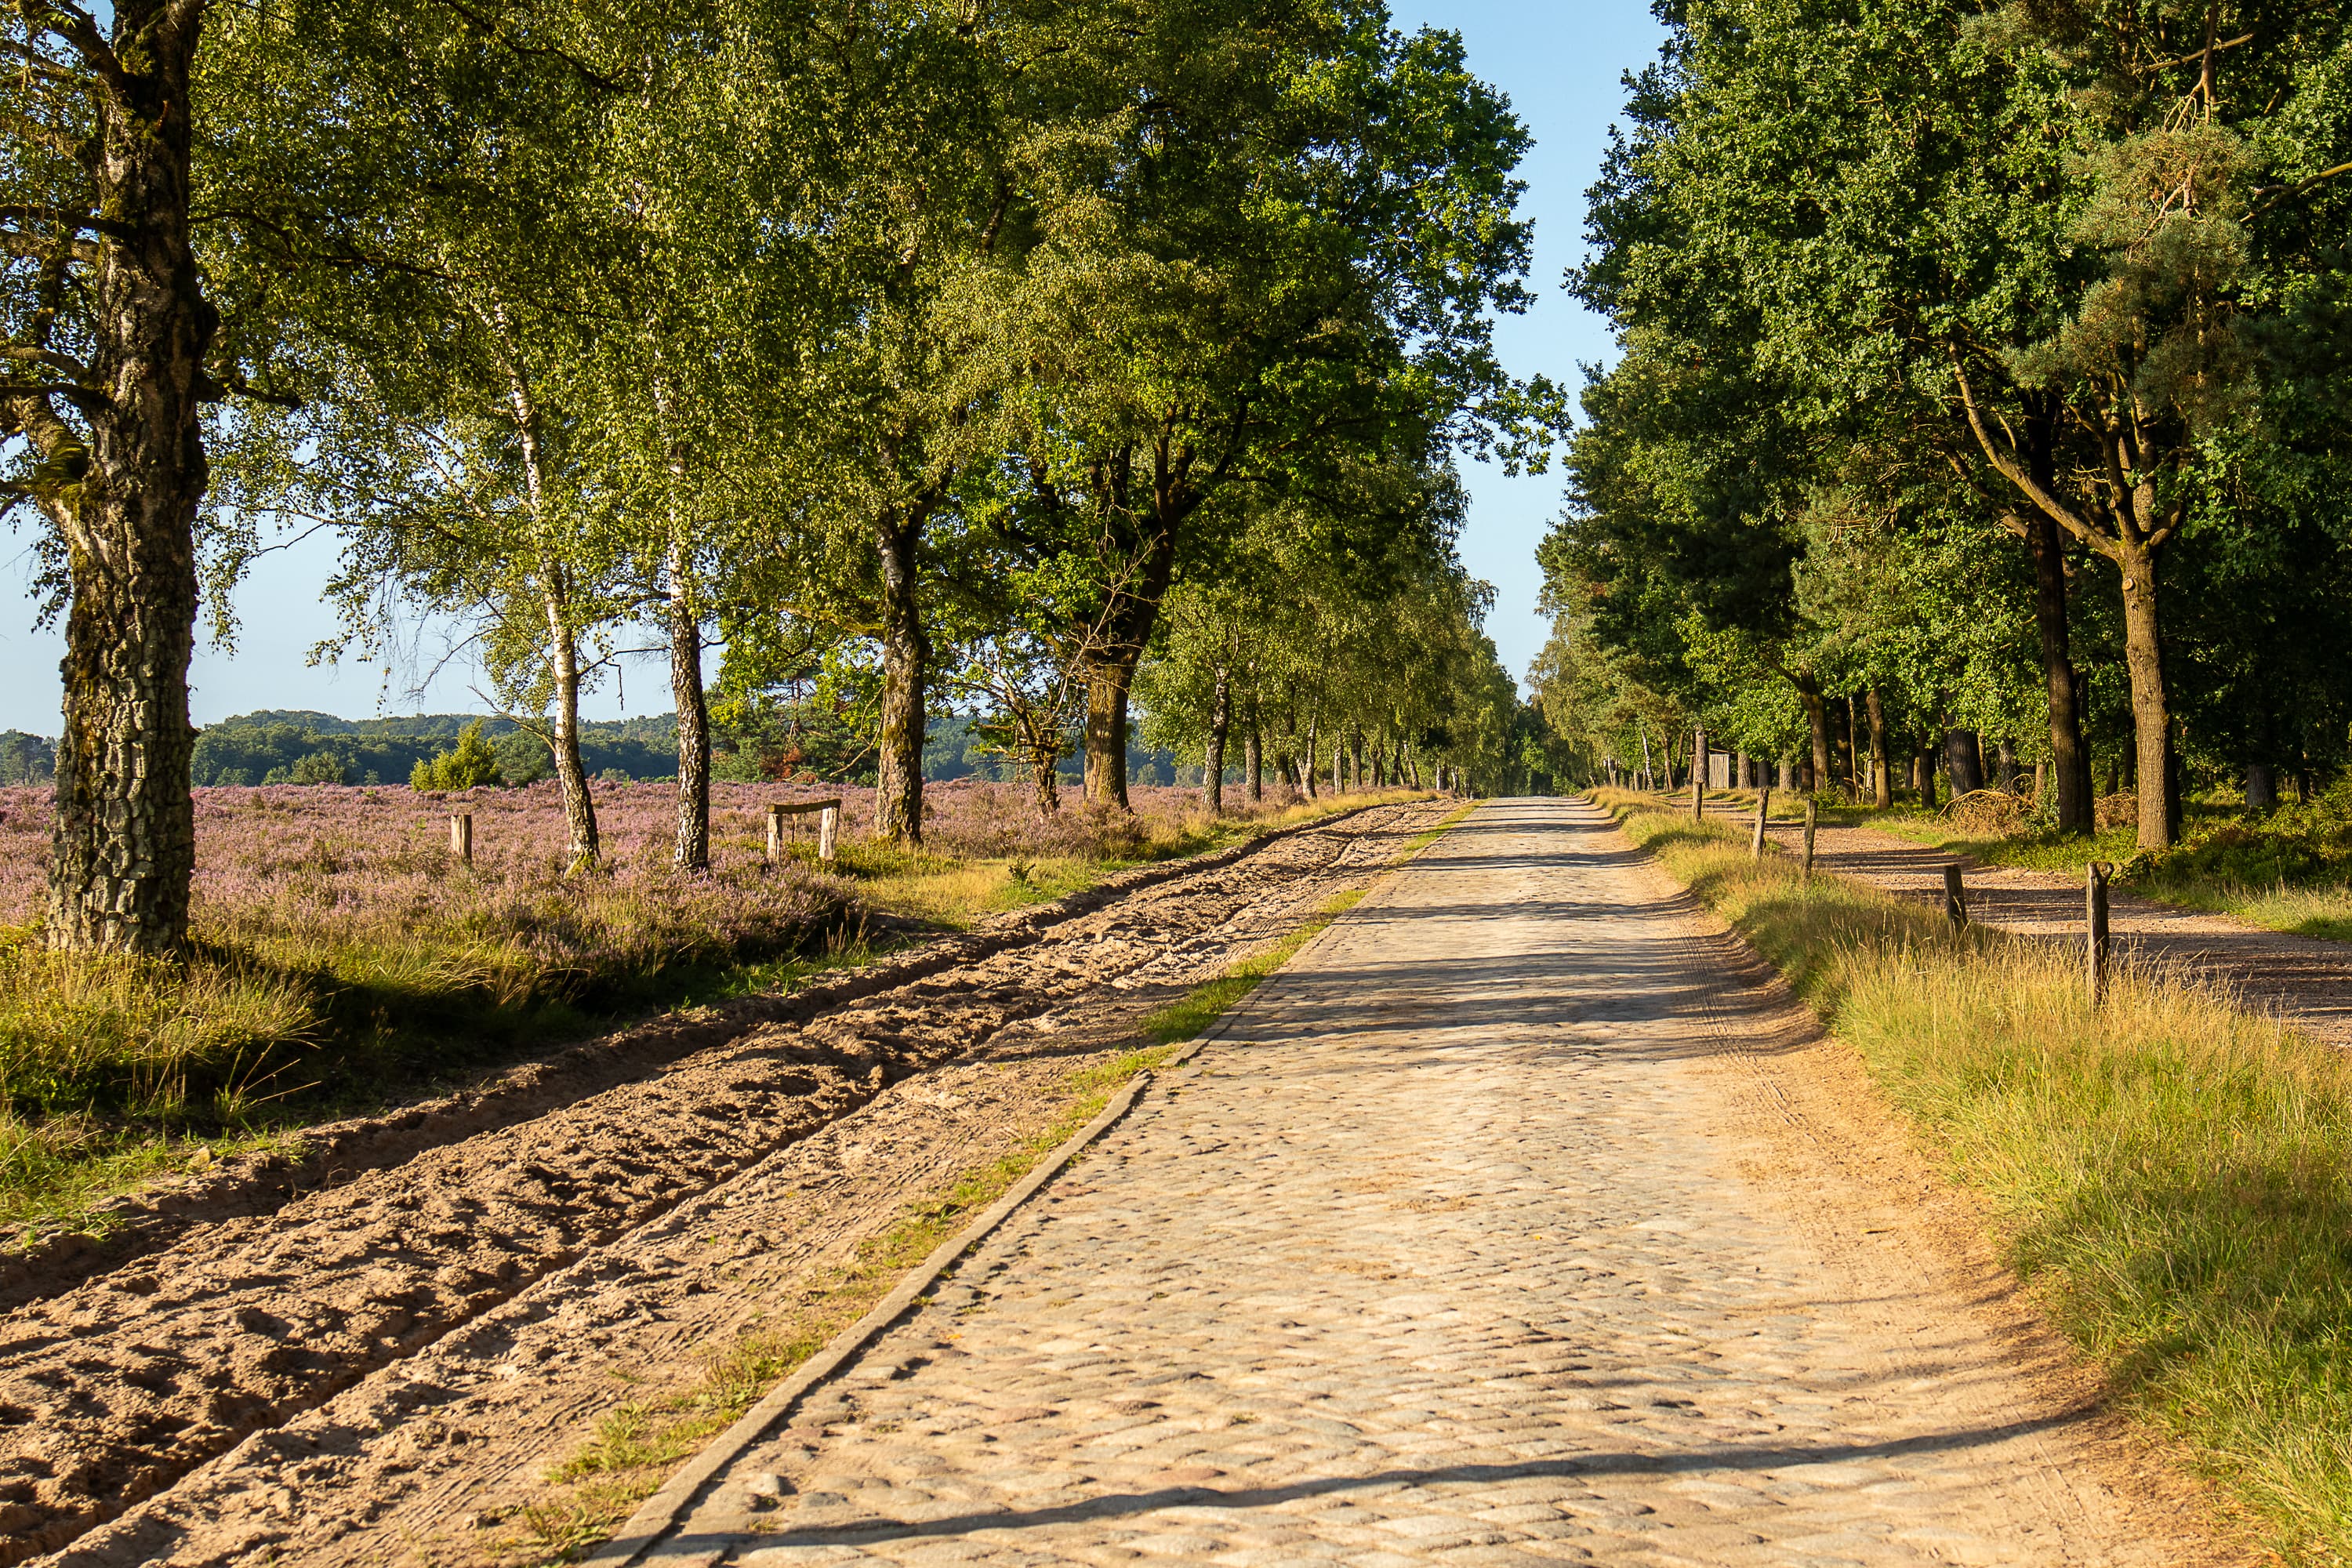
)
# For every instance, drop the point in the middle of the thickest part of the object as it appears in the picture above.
(1109, 666)
(906, 666)
(124, 835)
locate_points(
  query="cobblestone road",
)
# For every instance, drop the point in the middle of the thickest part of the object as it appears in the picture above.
(1458, 1248)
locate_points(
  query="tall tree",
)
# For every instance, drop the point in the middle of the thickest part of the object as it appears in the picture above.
(1182, 343)
(108, 362)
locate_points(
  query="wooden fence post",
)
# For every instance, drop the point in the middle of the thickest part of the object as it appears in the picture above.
(1698, 775)
(2094, 929)
(1813, 818)
(1763, 808)
(461, 836)
(828, 824)
(1955, 897)
(775, 835)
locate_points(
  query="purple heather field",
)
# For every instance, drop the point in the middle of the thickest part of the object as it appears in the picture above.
(278, 859)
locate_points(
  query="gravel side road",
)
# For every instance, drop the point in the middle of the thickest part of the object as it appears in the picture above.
(1521, 1219)
(2305, 980)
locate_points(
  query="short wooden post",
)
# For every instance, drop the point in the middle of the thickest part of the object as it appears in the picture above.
(2094, 929)
(1812, 819)
(828, 823)
(775, 835)
(1955, 897)
(461, 836)
(1763, 808)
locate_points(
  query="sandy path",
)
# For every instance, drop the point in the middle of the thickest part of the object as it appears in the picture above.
(357, 1373)
(1521, 1220)
(2307, 980)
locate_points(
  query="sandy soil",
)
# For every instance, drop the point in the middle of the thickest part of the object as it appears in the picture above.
(372, 1369)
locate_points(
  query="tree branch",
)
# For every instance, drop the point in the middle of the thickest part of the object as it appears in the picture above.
(2007, 465)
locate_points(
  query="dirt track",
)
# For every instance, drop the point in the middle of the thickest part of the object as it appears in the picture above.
(368, 1368)
(2305, 980)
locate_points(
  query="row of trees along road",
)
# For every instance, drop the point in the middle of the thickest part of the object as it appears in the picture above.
(1984, 365)
(902, 347)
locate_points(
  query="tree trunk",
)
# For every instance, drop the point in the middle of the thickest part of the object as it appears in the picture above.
(1817, 718)
(1307, 762)
(1254, 758)
(2262, 786)
(2070, 758)
(692, 852)
(1927, 780)
(122, 837)
(1213, 769)
(1963, 762)
(2005, 754)
(905, 668)
(124, 834)
(1107, 682)
(1045, 775)
(563, 638)
(2160, 801)
(1882, 776)
(564, 741)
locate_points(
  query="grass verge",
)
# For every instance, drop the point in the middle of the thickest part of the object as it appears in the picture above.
(2172, 1176)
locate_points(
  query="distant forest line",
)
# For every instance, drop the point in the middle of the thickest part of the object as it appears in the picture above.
(273, 746)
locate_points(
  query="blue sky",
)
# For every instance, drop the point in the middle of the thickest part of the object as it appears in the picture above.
(1560, 60)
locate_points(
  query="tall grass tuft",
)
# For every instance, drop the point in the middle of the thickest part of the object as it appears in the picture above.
(2171, 1173)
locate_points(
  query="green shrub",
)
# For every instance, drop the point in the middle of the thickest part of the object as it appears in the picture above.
(468, 765)
(321, 767)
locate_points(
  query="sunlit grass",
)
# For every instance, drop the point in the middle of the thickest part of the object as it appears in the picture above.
(2171, 1173)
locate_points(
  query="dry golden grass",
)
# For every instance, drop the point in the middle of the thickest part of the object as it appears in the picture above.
(2173, 1173)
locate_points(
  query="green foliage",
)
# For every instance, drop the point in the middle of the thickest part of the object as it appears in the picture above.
(26, 759)
(1902, 288)
(469, 764)
(266, 747)
(318, 768)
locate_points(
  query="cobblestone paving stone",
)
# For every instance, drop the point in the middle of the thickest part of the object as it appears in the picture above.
(1443, 1254)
